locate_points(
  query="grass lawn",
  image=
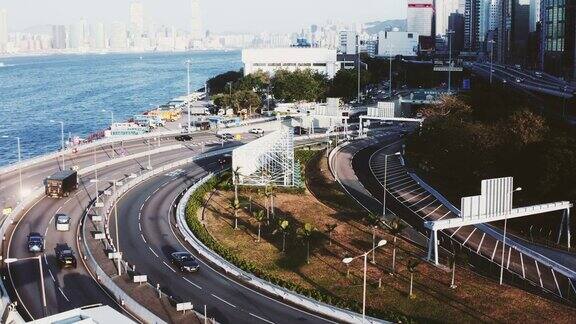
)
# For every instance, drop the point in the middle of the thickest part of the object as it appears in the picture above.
(475, 299)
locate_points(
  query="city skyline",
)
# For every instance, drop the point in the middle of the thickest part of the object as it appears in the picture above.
(239, 16)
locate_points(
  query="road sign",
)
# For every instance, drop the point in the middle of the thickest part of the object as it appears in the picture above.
(96, 218)
(99, 236)
(495, 198)
(184, 306)
(114, 255)
(140, 279)
(6, 211)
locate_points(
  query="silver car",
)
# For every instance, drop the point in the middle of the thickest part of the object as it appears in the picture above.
(62, 223)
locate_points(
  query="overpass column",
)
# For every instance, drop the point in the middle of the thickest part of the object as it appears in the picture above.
(361, 128)
(568, 226)
(436, 247)
(430, 239)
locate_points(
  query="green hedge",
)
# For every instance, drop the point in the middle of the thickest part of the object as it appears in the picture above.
(195, 204)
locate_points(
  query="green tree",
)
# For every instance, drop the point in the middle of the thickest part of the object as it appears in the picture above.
(259, 216)
(218, 84)
(330, 228)
(235, 206)
(396, 228)
(282, 227)
(222, 100)
(305, 233)
(245, 100)
(412, 267)
(236, 178)
(299, 85)
(345, 84)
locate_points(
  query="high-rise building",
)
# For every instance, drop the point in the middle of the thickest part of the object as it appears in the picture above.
(472, 40)
(443, 10)
(456, 24)
(3, 30)
(58, 37)
(519, 32)
(136, 19)
(558, 41)
(420, 17)
(534, 14)
(118, 37)
(494, 15)
(348, 42)
(196, 21)
(97, 36)
(76, 35)
(504, 30)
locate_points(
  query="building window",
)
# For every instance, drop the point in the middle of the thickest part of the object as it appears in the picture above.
(304, 64)
(319, 64)
(259, 64)
(410, 35)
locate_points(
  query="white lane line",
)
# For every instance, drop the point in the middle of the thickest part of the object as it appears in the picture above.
(480, 244)
(45, 259)
(495, 248)
(169, 267)
(153, 252)
(223, 300)
(466, 240)
(522, 263)
(190, 282)
(539, 275)
(144, 239)
(141, 207)
(262, 319)
(432, 212)
(140, 226)
(51, 275)
(46, 231)
(556, 281)
(509, 254)
(63, 294)
(146, 200)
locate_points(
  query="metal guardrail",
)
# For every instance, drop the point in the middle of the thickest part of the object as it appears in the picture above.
(103, 278)
(283, 293)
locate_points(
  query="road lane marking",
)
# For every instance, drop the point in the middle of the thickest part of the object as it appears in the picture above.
(223, 300)
(140, 227)
(169, 267)
(190, 282)
(143, 238)
(262, 319)
(153, 252)
(63, 294)
(51, 275)
(45, 259)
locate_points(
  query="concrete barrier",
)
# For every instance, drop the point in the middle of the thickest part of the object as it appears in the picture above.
(307, 303)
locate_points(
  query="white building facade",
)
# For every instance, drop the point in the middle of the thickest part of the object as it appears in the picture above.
(395, 43)
(420, 16)
(3, 30)
(348, 42)
(270, 60)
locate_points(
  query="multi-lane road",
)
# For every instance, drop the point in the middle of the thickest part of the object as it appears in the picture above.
(147, 236)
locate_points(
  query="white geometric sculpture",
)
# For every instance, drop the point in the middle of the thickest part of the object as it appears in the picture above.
(267, 160)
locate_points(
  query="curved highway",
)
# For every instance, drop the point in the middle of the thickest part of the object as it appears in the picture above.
(149, 236)
(67, 289)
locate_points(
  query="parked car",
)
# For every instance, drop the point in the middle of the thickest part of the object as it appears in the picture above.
(183, 138)
(298, 130)
(226, 136)
(184, 261)
(35, 242)
(66, 257)
(62, 222)
(257, 131)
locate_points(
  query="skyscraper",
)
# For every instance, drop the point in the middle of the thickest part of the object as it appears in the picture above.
(472, 41)
(97, 36)
(420, 17)
(118, 39)
(3, 30)
(558, 48)
(456, 23)
(196, 21)
(76, 35)
(443, 10)
(534, 14)
(136, 19)
(58, 37)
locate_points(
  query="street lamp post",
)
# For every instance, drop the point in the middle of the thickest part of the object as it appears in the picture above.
(365, 256)
(358, 65)
(188, 63)
(449, 32)
(43, 288)
(61, 142)
(390, 72)
(504, 237)
(19, 165)
(491, 42)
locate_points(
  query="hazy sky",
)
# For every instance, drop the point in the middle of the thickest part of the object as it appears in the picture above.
(218, 15)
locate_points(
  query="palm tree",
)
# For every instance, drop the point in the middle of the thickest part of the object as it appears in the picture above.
(374, 221)
(262, 193)
(282, 228)
(458, 255)
(305, 232)
(330, 229)
(272, 194)
(396, 228)
(412, 268)
(236, 176)
(259, 216)
(235, 205)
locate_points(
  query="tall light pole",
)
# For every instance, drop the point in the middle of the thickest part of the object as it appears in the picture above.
(365, 255)
(491, 42)
(450, 32)
(358, 65)
(61, 142)
(390, 72)
(19, 160)
(504, 237)
(43, 288)
(111, 123)
(188, 63)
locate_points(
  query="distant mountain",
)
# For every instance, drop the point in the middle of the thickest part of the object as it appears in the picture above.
(375, 27)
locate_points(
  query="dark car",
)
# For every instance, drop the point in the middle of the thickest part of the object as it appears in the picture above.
(184, 261)
(226, 136)
(35, 242)
(183, 138)
(66, 258)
